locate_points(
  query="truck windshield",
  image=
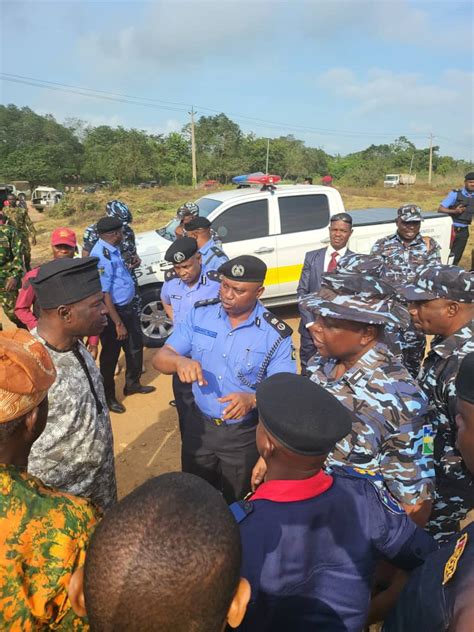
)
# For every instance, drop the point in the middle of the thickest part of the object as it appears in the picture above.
(391, 178)
(206, 206)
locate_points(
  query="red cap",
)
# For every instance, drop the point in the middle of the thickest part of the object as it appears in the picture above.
(63, 236)
(6, 203)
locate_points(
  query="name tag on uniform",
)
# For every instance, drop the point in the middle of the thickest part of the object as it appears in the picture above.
(176, 296)
(205, 332)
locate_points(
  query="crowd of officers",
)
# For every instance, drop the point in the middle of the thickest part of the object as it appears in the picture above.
(342, 480)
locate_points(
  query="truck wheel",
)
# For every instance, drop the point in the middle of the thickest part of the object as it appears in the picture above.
(155, 324)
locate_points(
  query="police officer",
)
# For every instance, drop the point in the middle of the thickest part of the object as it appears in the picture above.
(405, 254)
(199, 228)
(11, 266)
(459, 203)
(123, 326)
(438, 595)
(233, 344)
(389, 408)
(310, 540)
(185, 285)
(18, 216)
(185, 214)
(442, 304)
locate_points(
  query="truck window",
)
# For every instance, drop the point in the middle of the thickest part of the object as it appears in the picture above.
(243, 221)
(303, 212)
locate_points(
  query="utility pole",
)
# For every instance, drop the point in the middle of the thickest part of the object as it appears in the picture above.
(268, 154)
(430, 168)
(193, 148)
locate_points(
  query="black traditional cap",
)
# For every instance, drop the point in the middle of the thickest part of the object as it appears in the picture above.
(108, 224)
(181, 250)
(465, 379)
(342, 217)
(244, 268)
(469, 176)
(410, 213)
(441, 281)
(302, 415)
(66, 281)
(198, 222)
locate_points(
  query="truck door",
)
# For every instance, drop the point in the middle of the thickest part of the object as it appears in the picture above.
(304, 221)
(245, 230)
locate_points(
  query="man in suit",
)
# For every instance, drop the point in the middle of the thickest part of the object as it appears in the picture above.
(316, 263)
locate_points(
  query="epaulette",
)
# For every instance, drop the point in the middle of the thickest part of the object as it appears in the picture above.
(106, 253)
(283, 328)
(241, 509)
(207, 301)
(213, 275)
(377, 482)
(217, 251)
(170, 274)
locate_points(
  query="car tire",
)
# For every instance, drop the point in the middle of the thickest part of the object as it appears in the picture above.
(155, 325)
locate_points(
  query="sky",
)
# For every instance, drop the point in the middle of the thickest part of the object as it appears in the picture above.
(339, 74)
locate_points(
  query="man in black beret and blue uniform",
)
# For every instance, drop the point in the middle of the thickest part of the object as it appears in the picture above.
(225, 347)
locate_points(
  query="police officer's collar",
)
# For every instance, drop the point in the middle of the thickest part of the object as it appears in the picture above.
(288, 491)
(254, 317)
(414, 241)
(207, 246)
(360, 374)
(446, 347)
(109, 246)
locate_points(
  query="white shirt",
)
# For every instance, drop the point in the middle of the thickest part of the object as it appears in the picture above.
(329, 251)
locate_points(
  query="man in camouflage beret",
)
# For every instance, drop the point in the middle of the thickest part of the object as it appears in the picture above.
(44, 531)
(405, 254)
(441, 303)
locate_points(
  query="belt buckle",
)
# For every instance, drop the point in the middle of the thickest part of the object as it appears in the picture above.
(218, 421)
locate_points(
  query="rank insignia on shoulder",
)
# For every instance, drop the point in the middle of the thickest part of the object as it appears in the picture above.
(207, 301)
(170, 274)
(428, 448)
(106, 253)
(241, 509)
(452, 563)
(282, 328)
(217, 251)
(214, 275)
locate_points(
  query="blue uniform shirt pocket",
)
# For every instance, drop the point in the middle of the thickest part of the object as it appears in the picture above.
(249, 362)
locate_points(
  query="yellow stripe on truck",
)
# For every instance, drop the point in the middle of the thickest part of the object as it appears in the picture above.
(285, 274)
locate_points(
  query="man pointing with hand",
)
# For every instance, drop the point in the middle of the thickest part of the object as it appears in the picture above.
(232, 344)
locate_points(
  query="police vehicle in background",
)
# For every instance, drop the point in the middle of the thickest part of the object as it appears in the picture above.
(279, 225)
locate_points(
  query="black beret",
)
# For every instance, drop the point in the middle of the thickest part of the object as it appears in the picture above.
(465, 379)
(108, 224)
(244, 268)
(198, 222)
(302, 415)
(469, 176)
(342, 217)
(181, 249)
(66, 281)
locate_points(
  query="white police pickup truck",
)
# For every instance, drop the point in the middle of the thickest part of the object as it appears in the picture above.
(278, 225)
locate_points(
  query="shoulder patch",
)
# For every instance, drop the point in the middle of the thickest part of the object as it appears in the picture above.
(106, 253)
(241, 509)
(170, 274)
(213, 275)
(282, 328)
(217, 251)
(207, 301)
(377, 482)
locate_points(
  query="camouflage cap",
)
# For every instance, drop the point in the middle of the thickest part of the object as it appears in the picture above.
(363, 299)
(441, 281)
(410, 213)
(362, 264)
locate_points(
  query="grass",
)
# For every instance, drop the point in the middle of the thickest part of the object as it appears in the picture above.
(153, 208)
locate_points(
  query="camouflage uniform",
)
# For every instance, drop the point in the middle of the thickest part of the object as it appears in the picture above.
(11, 266)
(44, 538)
(402, 263)
(75, 452)
(390, 433)
(20, 219)
(454, 495)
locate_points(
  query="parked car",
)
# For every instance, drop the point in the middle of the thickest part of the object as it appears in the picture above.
(279, 226)
(45, 197)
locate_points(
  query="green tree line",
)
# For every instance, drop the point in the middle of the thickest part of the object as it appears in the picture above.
(40, 149)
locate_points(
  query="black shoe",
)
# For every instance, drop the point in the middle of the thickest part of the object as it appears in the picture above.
(139, 388)
(114, 406)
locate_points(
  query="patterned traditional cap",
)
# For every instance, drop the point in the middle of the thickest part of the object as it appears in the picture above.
(302, 415)
(362, 264)
(181, 250)
(410, 213)
(244, 268)
(61, 236)
(198, 222)
(26, 373)
(441, 281)
(465, 379)
(189, 208)
(362, 299)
